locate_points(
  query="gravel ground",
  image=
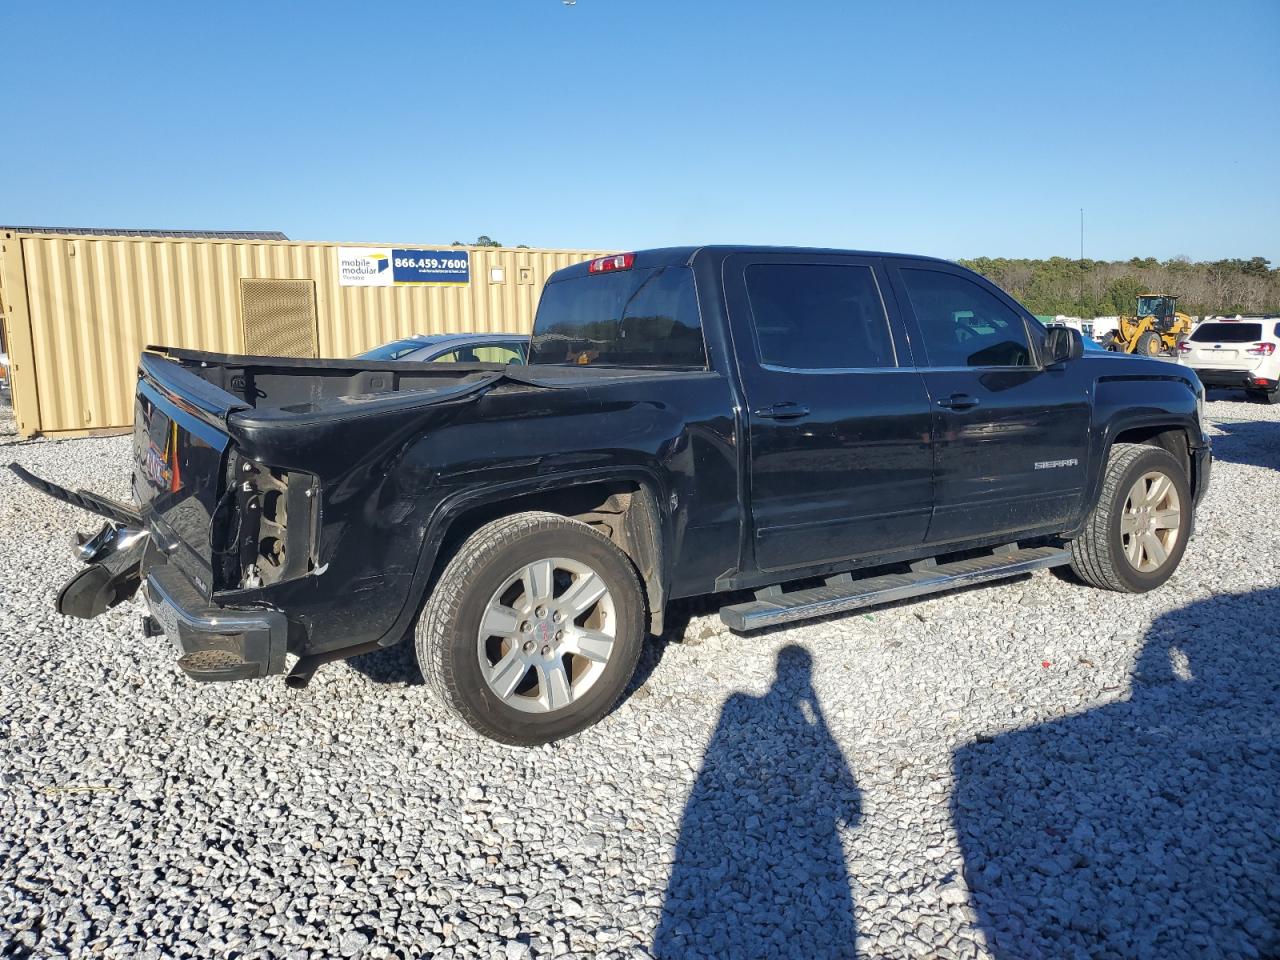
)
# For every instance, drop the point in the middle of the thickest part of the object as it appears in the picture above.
(1035, 769)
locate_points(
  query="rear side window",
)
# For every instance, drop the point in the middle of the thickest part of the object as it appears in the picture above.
(964, 325)
(633, 318)
(499, 353)
(1229, 332)
(812, 316)
(482, 353)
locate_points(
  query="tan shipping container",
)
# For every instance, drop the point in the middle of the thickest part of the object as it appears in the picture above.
(79, 310)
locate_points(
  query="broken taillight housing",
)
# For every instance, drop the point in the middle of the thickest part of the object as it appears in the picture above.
(269, 530)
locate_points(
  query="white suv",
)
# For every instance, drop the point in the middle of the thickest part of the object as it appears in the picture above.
(1236, 353)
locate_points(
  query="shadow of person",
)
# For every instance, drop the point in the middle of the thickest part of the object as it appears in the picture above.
(1144, 828)
(759, 868)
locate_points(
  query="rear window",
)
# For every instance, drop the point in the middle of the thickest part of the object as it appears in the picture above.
(1227, 333)
(632, 318)
(392, 351)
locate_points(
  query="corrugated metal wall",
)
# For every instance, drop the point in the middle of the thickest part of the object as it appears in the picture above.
(80, 309)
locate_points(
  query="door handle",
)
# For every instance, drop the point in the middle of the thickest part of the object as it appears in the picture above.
(786, 410)
(959, 401)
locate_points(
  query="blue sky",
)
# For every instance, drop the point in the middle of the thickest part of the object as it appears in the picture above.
(954, 129)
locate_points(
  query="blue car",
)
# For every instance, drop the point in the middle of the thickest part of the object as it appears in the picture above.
(455, 348)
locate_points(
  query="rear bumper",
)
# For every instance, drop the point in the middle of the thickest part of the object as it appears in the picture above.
(1216, 377)
(214, 643)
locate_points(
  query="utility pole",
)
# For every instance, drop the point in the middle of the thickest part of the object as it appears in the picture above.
(1082, 257)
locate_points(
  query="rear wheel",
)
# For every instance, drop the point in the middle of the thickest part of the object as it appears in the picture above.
(1264, 396)
(534, 628)
(1149, 344)
(1135, 535)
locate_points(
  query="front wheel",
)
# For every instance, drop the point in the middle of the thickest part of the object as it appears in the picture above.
(1149, 345)
(534, 628)
(1136, 533)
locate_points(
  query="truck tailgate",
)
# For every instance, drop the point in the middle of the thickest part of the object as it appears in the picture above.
(179, 447)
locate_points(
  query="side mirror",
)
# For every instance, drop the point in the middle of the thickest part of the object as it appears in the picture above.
(1063, 344)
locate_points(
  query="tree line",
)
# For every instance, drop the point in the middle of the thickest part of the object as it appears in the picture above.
(1095, 288)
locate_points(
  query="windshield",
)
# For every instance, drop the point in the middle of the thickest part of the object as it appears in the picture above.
(1227, 333)
(1155, 306)
(635, 318)
(392, 351)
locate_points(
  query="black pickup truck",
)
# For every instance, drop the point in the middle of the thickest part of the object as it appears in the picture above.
(811, 430)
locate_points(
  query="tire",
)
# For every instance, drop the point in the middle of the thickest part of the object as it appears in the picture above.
(1264, 396)
(496, 574)
(1101, 555)
(1148, 345)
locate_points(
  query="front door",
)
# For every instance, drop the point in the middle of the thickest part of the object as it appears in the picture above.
(1010, 437)
(839, 421)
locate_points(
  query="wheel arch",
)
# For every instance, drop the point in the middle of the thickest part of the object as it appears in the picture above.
(1143, 402)
(1170, 437)
(1168, 432)
(624, 506)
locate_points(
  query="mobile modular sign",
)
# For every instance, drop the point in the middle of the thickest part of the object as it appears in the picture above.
(390, 267)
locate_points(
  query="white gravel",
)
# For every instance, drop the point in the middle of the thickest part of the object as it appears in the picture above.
(1035, 769)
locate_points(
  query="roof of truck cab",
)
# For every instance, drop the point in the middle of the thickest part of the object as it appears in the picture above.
(683, 256)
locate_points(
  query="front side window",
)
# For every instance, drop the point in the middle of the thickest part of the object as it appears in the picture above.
(632, 318)
(964, 325)
(1152, 306)
(815, 316)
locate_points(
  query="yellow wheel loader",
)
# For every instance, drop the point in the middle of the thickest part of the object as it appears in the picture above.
(1156, 328)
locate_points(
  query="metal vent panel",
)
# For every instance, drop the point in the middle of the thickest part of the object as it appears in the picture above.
(279, 317)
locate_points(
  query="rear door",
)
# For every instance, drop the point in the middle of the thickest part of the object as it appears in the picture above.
(839, 460)
(1010, 437)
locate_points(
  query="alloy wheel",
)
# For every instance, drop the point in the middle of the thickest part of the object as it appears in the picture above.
(546, 635)
(1151, 522)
